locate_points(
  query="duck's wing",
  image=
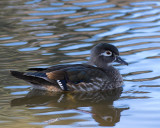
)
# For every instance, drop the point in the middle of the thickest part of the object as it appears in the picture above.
(78, 77)
(61, 78)
(52, 68)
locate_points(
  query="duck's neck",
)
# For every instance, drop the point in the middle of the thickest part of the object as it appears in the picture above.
(101, 65)
(112, 72)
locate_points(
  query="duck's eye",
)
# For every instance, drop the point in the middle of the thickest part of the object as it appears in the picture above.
(108, 53)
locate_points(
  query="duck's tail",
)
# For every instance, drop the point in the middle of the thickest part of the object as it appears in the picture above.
(40, 79)
(32, 77)
(18, 74)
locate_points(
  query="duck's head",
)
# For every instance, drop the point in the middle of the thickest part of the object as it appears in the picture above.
(104, 54)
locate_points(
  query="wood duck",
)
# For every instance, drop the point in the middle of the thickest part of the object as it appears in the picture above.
(97, 74)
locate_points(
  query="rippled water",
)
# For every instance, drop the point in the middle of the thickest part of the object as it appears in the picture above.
(42, 33)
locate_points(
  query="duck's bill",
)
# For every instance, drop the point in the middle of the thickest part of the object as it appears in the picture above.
(120, 60)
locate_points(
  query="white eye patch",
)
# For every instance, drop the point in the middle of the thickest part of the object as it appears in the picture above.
(107, 53)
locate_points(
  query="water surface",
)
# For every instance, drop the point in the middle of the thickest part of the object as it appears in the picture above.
(42, 33)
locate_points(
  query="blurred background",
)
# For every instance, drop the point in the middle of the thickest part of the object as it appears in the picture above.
(41, 33)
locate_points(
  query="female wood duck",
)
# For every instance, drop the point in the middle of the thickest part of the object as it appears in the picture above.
(97, 74)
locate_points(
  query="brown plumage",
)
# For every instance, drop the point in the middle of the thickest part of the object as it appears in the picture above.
(56, 75)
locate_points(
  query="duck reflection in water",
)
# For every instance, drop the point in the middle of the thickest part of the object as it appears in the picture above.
(101, 103)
